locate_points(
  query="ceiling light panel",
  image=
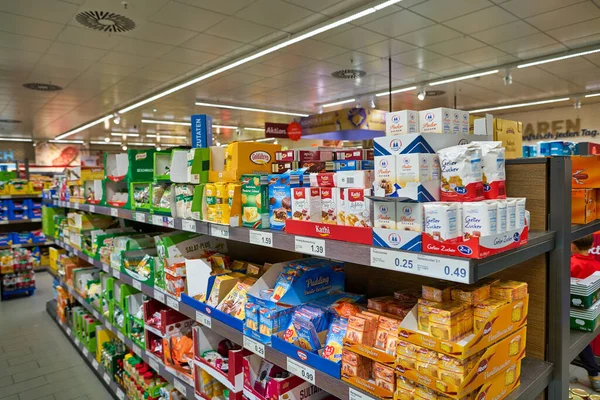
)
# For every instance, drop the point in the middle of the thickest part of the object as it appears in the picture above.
(337, 103)
(509, 106)
(230, 107)
(464, 77)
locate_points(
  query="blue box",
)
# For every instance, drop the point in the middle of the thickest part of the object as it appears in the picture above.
(38, 237)
(201, 130)
(34, 213)
(6, 239)
(21, 238)
(280, 188)
(227, 319)
(16, 215)
(353, 165)
(311, 359)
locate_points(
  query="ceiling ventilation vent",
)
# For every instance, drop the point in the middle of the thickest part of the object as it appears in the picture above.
(433, 93)
(105, 21)
(42, 87)
(10, 121)
(348, 74)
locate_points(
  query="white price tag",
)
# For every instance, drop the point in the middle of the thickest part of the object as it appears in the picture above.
(312, 246)
(394, 260)
(173, 303)
(137, 350)
(114, 212)
(153, 364)
(160, 296)
(140, 217)
(180, 386)
(69, 331)
(261, 238)
(77, 342)
(188, 225)
(157, 220)
(254, 346)
(76, 206)
(96, 314)
(204, 319)
(90, 259)
(106, 378)
(354, 394)
(116, 274)
(92, 208)
(95, 364)
(301, 370)
(221, 231)
(121, 336)
(86, 352)
(120, 394)
(136, 284)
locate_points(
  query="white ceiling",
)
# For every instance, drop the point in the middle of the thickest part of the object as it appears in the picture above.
(40, 41)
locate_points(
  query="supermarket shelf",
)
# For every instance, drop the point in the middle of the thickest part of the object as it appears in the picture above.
(172, 376)
(20, 196)
(14, 246)
(579, 340)
(534, 377)
(579, 231)
(90, 359)
(454, 269)
(24, 221)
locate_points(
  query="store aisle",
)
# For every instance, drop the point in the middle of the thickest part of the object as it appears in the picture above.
(36, 359)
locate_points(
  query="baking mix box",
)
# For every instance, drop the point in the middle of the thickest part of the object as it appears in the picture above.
(583, 206)
(421, 143)
(229, 163)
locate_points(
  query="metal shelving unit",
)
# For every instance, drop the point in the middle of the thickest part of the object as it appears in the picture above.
(90, 359)
(177, 379)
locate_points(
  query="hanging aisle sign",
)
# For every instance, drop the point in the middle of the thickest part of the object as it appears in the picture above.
(276, 130)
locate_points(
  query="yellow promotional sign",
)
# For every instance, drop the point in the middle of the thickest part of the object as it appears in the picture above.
(344, 119)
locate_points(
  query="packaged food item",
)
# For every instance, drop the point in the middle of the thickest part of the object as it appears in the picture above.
(281, 167)
(520, 212)
(384, 215)
(235, 301)
(435, 120)
(234, 194)
(329, 203)
(322, 179)
(483, 310)
(280, 193)
(511, 213)
(479, 219)
(340, 204)
(508, 290)
(384, 376)
(355, 365)
(361, 329)
(493, 171)
(385, 176)
(409, 217)
(471, 294)
(357, 207)
(334, 340)
(221, 287)
(184, 194)
(416, 168)
(401, 122)
(501, 222)
(222, 203)
(461, 174)
(354, 179)
(210, 194)
(441, 220)
(306, 204)
(439, 291)
(387, 334)
(356, 154)
(254, 199)
(423, 309)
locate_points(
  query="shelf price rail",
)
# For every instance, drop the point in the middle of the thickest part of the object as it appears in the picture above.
(455, 269)
(535, 375)
(172, 376)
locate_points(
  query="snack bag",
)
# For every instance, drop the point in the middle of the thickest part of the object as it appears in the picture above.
(462, 177)
(334, 340)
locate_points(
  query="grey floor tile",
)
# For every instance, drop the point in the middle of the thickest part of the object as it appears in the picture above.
(7, 380)
(21, 360)
(19, 387)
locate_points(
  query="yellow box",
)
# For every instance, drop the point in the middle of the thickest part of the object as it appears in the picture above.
(36, 187)
(508, 290)
(510, 133)
(448, 313)
(471, 294)
(583, 206)
(210, 195)
(222, 285)
(53, 254)
(18, 187)
(485, 308)
(222, 203)
(92, 174)
(229, 163)
(234, 193)
(439, 291)
(4, 188)
(585, 172)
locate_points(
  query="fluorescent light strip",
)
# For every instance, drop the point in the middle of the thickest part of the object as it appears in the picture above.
(337, 103)
(106, 143)
(408, 89)
(583, 53)
(279, 46)
(83, 128)
(154, 121)
(124, 134)
(265, 139)
(462, 78)
(167, 136)
(225, 126)
(250, 109)
(533, 103)
(255, 129)
(67, 141)
(592, 95)
(15, 140)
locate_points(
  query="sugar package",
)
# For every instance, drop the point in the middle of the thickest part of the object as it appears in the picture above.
(385, 176)
(511, 213)
(441, 220)
(479, 219)
(409, 216)
(461, 173)
(384, 214)
(501, 222)
(493, 170)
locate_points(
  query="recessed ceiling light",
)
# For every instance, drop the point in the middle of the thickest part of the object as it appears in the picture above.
(462, 78)
(533, 103)
(337, 103)
(162, 122)
(67, 141)
(225, 126)
(249, 109)
(15, 140)
(255, 129)
(552, 59)
(265, 139)
(106, 143)
(124, 134)
(167, 136)
(82, 128)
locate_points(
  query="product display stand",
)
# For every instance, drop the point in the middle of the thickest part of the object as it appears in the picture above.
(113, 388)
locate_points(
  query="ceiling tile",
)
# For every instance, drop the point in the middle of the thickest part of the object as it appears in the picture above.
(415, 56)
(273, 13)
(190, 56)
(224, 7)
(240, 30)
(455, 70)
(351, 59)
(576, 31)
(387, 48)
(83, 52)
(443, 10)
(155, 75)
(142, 48)
(47, 10)
(322, 68)
(264, 70)
(582, 41)
(439, 64)
(481, 20)
(355, 38)
(289, 61)
(161, 33)
(570, 66)
(399, 23)
(314, 49)
(455, 46)
(170, 67)
(71, 62)
(484, 53)
(29, 26)
(20, 55)
(242, 78)
(503, 33)
(526, 54)
(526, 9)
(565, 16)
(314, 5)
(111, 69)
(271, 83)
(431, 35)
(21, 42)
(494, 61)
(186, 17)
(124, 59)
(88, 37)
(406, 73)
(526, 43)
(212, 44)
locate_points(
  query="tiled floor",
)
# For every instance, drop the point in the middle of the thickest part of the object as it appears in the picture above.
(36, 360)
